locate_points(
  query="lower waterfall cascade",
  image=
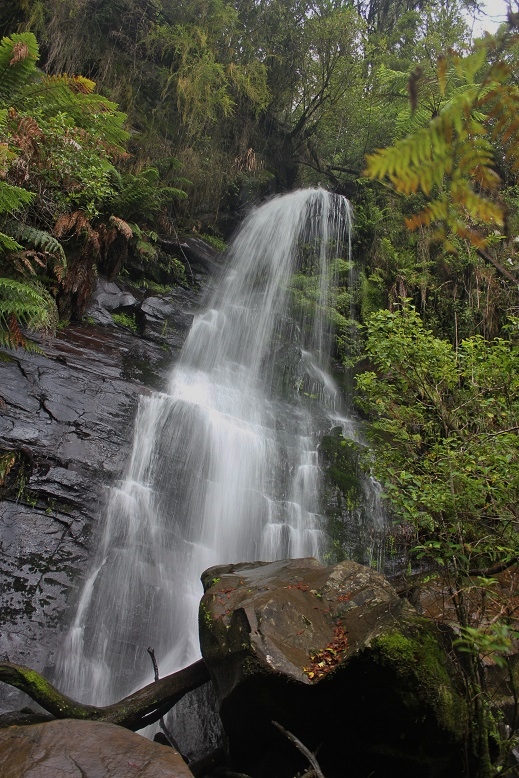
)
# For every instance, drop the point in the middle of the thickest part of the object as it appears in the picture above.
(224, 466)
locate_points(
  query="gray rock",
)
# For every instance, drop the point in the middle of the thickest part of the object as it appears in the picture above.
(107, 297)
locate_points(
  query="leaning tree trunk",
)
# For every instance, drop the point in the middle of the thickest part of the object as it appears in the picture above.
(134, 712)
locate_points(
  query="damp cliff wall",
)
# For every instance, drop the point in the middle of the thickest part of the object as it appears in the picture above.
(66, 424)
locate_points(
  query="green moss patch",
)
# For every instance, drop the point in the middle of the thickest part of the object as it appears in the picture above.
(417, 656)
(341, 464)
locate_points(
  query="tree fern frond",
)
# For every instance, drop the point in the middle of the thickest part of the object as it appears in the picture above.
(172, 193)
(18, 56)
(454, 153)
(142, 196)
(408, 120)
(12, 198)
(436, 210)
(150, 175)
(7, 243)
(72, 223)
(10, 334)
(122, 226)
(27, 304)
(23, 264)
(38, 239)
(70, 95)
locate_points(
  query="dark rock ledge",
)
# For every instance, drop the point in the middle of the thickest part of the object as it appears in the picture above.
(66, 415)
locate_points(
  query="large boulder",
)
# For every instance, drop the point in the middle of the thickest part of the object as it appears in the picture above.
(84, 749)
(339, 660)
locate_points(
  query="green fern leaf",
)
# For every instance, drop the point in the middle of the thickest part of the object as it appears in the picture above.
(454, 153)
(28, 304)
(12, 198)
(38, 239)
(18, 56)
(8, 244)
(67, 94)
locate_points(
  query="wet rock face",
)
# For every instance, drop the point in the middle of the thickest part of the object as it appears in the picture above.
(84, 749)
(335, 657)
(66, 428)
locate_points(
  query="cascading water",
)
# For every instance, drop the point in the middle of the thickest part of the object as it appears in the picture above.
(224, 466)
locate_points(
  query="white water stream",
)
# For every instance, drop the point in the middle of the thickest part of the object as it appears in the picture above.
(224, 466)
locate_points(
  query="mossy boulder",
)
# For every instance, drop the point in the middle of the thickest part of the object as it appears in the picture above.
(338, 659)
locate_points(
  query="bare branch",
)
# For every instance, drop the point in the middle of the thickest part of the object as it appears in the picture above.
(162, 724)
(504, 272)
(304, 750)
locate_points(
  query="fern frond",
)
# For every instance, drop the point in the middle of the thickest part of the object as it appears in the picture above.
(142, 196)
(454, 154)
(81, 84)
(38, 239)
(436, 210)
(11, 335)
(75, 223)
(415, 162)
(74, 96)
(408, 120)
(22, 263)
(12, 198)
(502, 101)
(25, 132)
(146, 250)
(136, 230)
(19, 53)
(27, 304)
(170, 193)
(18, 56)
(8, 244)
(121, 226)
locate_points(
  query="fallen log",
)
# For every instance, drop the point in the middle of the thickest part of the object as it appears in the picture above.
(143, 707)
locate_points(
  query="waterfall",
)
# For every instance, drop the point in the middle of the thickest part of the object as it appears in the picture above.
(224, 465)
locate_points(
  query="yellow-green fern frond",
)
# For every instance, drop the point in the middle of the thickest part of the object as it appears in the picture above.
(7, 243)
(12, 198)
(452, 160)
(75, 97)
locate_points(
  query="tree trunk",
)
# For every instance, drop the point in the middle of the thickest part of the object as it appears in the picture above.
(133, 712)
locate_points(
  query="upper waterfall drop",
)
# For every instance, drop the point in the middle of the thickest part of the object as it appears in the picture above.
(224, 464)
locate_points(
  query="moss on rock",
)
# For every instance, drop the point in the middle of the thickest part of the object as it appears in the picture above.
(416, 653)
(390, 688)
(341, 466)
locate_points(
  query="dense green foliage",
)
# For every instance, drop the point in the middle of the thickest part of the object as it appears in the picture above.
(445, 426)
(60, 143)
(449, 421)
(442, 402)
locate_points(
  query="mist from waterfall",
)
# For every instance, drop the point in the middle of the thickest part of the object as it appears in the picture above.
(224, 465)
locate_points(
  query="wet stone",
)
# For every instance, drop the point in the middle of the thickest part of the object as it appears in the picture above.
(337, 658)
(84, 749)
(68, 414)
